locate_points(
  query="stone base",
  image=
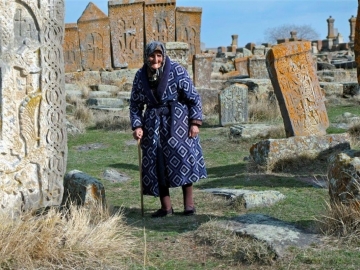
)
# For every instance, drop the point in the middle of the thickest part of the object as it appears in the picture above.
(268, 153)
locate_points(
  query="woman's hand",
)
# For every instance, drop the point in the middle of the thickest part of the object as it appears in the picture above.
(138, 133)
(194, 131)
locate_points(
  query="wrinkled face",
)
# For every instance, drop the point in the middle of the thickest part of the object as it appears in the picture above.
(155, 59)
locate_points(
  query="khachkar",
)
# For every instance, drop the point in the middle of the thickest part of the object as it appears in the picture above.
(127, 35)
(297, 89)
(160, 20)
(32, 131)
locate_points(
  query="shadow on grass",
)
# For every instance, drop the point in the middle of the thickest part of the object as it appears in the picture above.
(126, 166)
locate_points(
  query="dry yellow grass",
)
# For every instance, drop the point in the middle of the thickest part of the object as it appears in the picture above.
(264, 110)
(77, 239)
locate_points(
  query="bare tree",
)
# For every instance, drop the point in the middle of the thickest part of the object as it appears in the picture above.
(304, 32)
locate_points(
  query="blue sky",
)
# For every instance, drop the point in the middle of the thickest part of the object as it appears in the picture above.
(249, 19)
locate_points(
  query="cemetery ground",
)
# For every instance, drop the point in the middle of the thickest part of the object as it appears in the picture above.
(195, 242)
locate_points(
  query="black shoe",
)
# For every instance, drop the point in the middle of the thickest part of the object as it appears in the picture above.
(189, 212)
(162, 213)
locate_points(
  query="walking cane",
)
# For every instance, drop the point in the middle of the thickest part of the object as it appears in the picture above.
(141, 185)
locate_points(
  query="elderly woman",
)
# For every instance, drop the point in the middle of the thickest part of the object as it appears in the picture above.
(168, 129)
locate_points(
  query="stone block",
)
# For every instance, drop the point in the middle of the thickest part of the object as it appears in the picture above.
(105, 102)
(297, 89)
(233, 102)
(82, 189)
(241, 65)
(33, 136)
(71, 47)
(127, 33)
(83, 78)
(202, 69)
(257, 68)
(262, 89)
(332, 89)
(188, 25)
(268, 153)
(178, 52)
(94, 35)
(344, 180)
(160, 20)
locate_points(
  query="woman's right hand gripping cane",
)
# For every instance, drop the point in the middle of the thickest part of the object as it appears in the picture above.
(138, 133)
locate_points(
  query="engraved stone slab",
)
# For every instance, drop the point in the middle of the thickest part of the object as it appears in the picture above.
(257, 68)
(297, 89)
(71, 46)
(202, 68)
(241, 65)
(233, 102)
(32, 105)
(178, 52)
(160, 20)
(188, 23)
(127, 33)
(94, 34)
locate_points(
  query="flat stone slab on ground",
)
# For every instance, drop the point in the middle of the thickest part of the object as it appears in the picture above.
(279, 235)
(248, 131)
(251, 198)
(114, 176)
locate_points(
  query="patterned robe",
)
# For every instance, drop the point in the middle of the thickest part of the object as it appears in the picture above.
(165, 124)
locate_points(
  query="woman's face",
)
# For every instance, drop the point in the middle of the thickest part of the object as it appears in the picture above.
(155, 59)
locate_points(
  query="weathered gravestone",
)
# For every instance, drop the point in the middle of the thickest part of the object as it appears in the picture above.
(202, 69)
(297, 89)
(71, 46)
(94, 34)
(257, 67)
(188, 22)
(178, 52)
(32, 95)
(233, 102)
(160, 20)
(127, 33)
(241, 65)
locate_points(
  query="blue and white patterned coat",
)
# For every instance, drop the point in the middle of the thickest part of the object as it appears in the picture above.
(166, 124)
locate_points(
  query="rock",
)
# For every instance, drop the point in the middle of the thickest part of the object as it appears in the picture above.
(114, 176)
(277, 234)
(251, 198)
(82, 189)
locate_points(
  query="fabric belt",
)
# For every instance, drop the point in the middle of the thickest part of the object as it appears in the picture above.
(165, 109)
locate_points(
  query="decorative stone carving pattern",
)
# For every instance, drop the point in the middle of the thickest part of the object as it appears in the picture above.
(33, 131)
(127, 35)
(233, 102)
(72, 48)
(160, 20)
(297, 89)
(188, 22)
(94, 34)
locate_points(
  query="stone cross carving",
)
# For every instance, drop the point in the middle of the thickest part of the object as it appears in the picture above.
(32, 105)
(293, 76)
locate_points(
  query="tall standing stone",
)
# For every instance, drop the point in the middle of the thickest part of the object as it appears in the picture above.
(352, 22)
(233, 102)
(296, 85)
(72, 48)
(357, 44)
(127, 33)
(94, 34)
(188, 23)
(32, 95)
(160, 20)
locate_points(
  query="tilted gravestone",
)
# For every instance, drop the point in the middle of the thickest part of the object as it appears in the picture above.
(94, 34)
(297, 89)
(188, 22)
(32, 95)
(233, 102)
(257, 67)
(160, 20)
(71, 46)
(202, 68)
(127, 33)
